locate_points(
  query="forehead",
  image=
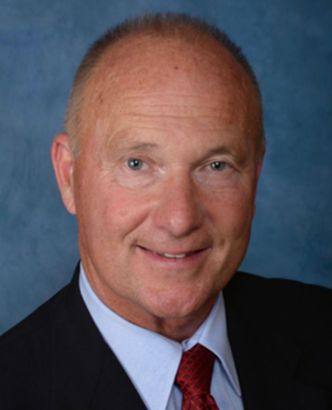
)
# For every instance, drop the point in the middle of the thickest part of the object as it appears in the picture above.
(146, 63)
(170, 72)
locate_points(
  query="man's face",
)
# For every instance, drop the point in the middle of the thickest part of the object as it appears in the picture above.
(164, 184)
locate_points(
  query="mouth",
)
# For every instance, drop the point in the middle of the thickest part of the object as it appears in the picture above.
(174, 256)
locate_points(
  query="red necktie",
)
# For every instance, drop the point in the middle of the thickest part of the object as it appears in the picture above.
(194, 379)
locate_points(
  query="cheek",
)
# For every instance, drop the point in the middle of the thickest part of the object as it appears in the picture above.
(123, 210)
(233, 212)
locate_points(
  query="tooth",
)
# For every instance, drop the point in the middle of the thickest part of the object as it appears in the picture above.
(178, 256)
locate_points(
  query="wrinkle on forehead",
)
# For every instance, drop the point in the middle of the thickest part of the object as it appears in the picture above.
(187, 118)
(156, 69)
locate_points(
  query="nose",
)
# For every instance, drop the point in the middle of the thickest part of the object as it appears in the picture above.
(179, 210)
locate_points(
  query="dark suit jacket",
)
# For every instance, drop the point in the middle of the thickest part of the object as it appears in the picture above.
(279, 332)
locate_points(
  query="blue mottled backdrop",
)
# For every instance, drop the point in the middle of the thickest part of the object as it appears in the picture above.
(290, 47)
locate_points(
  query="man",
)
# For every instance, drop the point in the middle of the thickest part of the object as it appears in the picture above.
(160, 162)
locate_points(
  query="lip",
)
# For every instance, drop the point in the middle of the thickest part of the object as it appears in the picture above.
(174, 258)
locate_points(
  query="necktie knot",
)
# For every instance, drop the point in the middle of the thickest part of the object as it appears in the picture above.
(194, 378)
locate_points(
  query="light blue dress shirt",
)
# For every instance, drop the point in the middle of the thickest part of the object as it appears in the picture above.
(151, 360)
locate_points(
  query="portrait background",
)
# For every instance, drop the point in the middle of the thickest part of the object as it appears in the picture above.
(289, 46)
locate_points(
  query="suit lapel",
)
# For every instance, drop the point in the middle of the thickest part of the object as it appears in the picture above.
(86, 373)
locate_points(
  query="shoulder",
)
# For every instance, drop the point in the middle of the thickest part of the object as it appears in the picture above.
(278, 293)
(301, 310)
(37, 323)
(280, 299)
(286, 309)
(26, 353)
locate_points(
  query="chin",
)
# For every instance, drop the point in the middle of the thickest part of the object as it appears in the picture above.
(180, 304)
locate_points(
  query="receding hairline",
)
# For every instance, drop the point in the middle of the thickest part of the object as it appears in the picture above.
(154, 26)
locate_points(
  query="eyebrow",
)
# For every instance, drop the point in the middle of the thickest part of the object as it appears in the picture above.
(149, 145)
(131, 145)
(222, 150)
(142, 146)
(218, 150)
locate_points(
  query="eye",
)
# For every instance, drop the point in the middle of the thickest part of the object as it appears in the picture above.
(218, 165)
(135, 164)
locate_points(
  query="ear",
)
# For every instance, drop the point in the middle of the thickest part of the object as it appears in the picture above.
(258, 170)
(63, 164)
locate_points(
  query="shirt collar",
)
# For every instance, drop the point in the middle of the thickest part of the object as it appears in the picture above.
(148, 358)
(151, 359)
(217, 341)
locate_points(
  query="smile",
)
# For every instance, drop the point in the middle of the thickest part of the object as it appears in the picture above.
(170, 255)
(174, 256)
